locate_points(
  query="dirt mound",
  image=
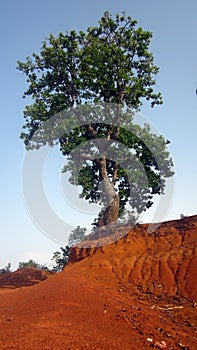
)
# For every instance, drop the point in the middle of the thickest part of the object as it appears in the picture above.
(107, 300)
(161, 262)
(23, 277)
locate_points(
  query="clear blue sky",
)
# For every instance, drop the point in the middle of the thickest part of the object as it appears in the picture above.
(24, 25)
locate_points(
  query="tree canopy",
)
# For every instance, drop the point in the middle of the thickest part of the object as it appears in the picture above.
(30, 263)
(110, 69)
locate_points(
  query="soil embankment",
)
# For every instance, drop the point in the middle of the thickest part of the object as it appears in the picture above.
(138, 292)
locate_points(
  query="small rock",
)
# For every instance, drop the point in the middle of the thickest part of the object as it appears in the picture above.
(161, 345)
(160, 329)
(168, 335)
(149, 340)
(183, 347)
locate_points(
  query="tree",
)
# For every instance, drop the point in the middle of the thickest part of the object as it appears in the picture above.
(6, 268)
(61, 258)
(182, 216)
(110, 68)
(26, 264)
(76, 236)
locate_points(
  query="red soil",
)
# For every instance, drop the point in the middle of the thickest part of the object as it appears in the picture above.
(23, 277)
(131, 294)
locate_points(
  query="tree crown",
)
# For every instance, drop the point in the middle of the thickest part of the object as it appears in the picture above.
(109, 64)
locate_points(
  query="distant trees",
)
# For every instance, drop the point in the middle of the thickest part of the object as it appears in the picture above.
(182, 216)
(76, 236)
(31, 263)
(7, 268)
(61, 258)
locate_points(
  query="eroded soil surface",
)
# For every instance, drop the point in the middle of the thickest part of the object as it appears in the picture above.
(23, 277)
(136, 293)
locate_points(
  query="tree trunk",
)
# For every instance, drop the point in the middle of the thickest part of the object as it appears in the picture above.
(112, 199)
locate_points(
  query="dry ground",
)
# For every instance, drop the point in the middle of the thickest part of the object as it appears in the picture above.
(131, 294)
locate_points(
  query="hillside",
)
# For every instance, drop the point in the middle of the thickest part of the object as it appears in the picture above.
(162, 262)
(138, 292)
(23, 277)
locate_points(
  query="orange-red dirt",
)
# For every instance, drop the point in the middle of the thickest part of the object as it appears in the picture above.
(23, 277)
(131, 294)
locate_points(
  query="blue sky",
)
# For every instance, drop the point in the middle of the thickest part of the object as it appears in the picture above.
(24, 25)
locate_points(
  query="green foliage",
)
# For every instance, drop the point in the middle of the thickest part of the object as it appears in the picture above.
(60, 258)
(109, 63)
(76, 236)
(30, 263)
(117, 66)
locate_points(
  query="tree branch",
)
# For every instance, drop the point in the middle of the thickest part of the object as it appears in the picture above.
(115, 173)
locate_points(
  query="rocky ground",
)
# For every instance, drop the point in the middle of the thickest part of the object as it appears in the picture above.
(138, 292)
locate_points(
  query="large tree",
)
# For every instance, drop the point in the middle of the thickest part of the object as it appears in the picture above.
(108, 67)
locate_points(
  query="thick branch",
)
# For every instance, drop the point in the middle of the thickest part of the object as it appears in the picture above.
(115, 173)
